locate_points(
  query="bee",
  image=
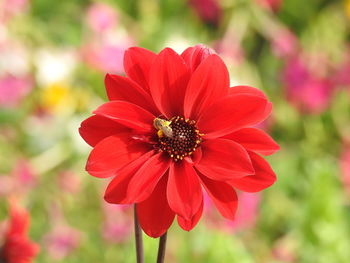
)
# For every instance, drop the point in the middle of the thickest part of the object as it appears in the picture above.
(163, 127)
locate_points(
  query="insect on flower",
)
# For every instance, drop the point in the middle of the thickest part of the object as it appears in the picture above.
(163, 127)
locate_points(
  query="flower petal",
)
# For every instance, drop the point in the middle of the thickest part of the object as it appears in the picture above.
(209, 82)
(223, 160)
(154, 214)
(96, 128)
(137, 64)
(263, 177)
(146, 178)
(112, 153)
(128, 114)
(195, 157)
(122, 88)
(232, 113)
(246, 90)
(252, 91)
(190, 224)
(184, 191)
(116, 191)
(193, 56)
(168, 82)
(255, 140)
(223, 195)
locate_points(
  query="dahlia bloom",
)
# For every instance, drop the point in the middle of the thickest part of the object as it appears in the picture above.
(16, 247)
(172, 129)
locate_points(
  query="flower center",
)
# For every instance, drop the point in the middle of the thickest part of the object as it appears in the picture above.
(179, 137)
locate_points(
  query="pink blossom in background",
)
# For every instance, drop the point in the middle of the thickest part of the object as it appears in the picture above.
(209, 11)
(341, 76)
(231, 50)
(21, 179)
(307, 92)
(62, 239)
(7, 185)
(344, 163)
(24, 174)
(101, 17)
(247, 212)
(13, 90)
(246, 216)
(283, 43)
(99, 57)
(69, 182)
(273, 5)
(11, 8)
(116, 226)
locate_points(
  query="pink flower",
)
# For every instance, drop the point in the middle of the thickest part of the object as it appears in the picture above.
(11, 8)
(69, 182)
(62, 239)
(101, 17)
(246, 216)
(344, 163)
(24, 174)
(13, 90)
(116, 226)
(209, 11)
(273, 5)
(307, 92)
(21, 179)
(283, 43)
(247, 212)
(99, 57)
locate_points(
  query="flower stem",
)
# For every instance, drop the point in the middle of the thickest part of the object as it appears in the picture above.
(161, 248)
(138, 239)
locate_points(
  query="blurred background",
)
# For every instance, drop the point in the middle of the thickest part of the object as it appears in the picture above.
(53, 58)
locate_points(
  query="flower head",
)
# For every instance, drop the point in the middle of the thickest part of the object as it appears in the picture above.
(173, 128)
(17, 248)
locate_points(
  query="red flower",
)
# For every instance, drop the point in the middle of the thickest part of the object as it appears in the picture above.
(17, 248)
(172, 128)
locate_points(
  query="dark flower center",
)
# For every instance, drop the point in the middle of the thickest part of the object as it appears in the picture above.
(179, 137)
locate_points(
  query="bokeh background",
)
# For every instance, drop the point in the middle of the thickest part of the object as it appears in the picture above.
(53, 58)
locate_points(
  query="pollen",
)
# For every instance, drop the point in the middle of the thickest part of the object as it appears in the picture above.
(184, 141)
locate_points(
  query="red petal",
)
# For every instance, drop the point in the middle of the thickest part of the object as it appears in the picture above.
(195, 157)
(254, 140)
(193, 56)
(117, 188)
(144, 181)
(128, 114)
(252, 91)
(19, 222)
(190, 224)
(168, 82)
(246, 90)
(184, 190)
(224, 159)
(209, 82)
(121, 88)
(263, 177)
(154, 214)
(137, 65)
(223, 195)
(232, 113)
(95, 128)
(112, 153)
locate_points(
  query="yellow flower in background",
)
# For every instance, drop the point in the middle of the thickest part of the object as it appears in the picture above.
(61, 98)
(57, 98)
(347, 8)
